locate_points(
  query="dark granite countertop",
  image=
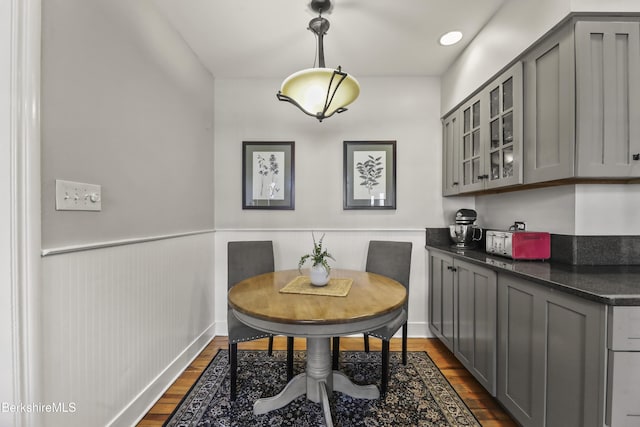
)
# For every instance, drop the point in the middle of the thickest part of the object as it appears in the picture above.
(608, 284)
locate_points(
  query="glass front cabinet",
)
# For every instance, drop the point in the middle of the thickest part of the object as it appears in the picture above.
(472, 159)
(505, 130)
(489, 137)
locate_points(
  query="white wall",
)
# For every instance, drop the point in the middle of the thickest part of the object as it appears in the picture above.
(545, 209)
(402, 109)
(607, 210)
(581, 210)
(513, 29)
(126, 104)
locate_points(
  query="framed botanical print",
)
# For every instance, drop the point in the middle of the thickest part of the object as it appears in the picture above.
(369, 175)
(268, 175)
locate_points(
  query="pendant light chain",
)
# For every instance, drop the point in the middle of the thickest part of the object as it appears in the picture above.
(315, 56)
(315, 34)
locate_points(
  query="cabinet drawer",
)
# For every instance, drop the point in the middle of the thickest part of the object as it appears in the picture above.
(624, 329)
(623, 389)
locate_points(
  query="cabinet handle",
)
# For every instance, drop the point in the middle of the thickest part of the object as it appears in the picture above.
(454, 183)
(483, 176)
(636, 156)
(451, 268)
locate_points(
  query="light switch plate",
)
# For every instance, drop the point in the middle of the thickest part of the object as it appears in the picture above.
(78, 196)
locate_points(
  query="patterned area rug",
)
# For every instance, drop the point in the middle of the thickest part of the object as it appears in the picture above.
(418, 394)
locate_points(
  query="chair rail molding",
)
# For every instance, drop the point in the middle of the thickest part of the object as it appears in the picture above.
(20, 71)
(121, 242)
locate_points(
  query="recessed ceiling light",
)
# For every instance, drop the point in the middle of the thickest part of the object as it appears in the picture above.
(452, 37)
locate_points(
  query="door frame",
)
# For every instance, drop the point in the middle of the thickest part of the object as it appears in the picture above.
(20, 270)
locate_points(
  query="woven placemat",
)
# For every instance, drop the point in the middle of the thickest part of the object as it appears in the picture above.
(302, 285)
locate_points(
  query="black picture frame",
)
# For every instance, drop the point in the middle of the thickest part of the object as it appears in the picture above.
(369, 175)
(268, 175)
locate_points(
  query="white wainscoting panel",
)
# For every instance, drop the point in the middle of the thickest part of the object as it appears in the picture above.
(349, 248)
(120, 323)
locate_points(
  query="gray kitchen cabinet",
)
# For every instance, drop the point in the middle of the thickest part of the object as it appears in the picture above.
(490, 137)
(567, 109)
(504, 123)
(482, 139)
(473, 141)
(607, 98)
(450, 154)
(462, 314)
(623, 328)
(623, 389)
(551, 352)
(623, 367)
(441, 297)
(582, 102)
(475, 321)
(549, 114)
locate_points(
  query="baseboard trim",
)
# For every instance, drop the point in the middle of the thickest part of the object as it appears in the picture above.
(141, 404)
(222, 329)
(417, 330)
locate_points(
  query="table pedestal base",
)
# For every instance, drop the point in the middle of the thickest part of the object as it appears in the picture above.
(317, 382)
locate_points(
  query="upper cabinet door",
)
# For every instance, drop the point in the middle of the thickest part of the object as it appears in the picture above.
(490, 141)
(607, 99)
(472, 159)
(451, 154)
(549, 111)
(504, 150)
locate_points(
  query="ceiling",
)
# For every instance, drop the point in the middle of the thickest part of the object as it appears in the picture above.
(267, 39)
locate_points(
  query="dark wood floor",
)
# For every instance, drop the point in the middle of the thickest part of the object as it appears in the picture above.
(483, 406)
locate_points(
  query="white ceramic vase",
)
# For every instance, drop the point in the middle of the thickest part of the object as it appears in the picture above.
(319, 275)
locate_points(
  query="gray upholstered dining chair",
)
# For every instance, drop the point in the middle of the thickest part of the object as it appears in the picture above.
(391, 259)
(246, 259)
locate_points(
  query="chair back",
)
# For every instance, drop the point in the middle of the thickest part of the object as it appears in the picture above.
(248, 258)
(391, 259)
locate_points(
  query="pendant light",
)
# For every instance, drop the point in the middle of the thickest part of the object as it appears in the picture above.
(320, 92)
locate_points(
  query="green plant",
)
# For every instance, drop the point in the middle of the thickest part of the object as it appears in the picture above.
(318, 256)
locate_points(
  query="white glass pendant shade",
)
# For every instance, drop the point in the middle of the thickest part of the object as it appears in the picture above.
(312, 88)
(320, 92)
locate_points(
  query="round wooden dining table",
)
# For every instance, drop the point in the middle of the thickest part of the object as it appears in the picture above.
(371, 302)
